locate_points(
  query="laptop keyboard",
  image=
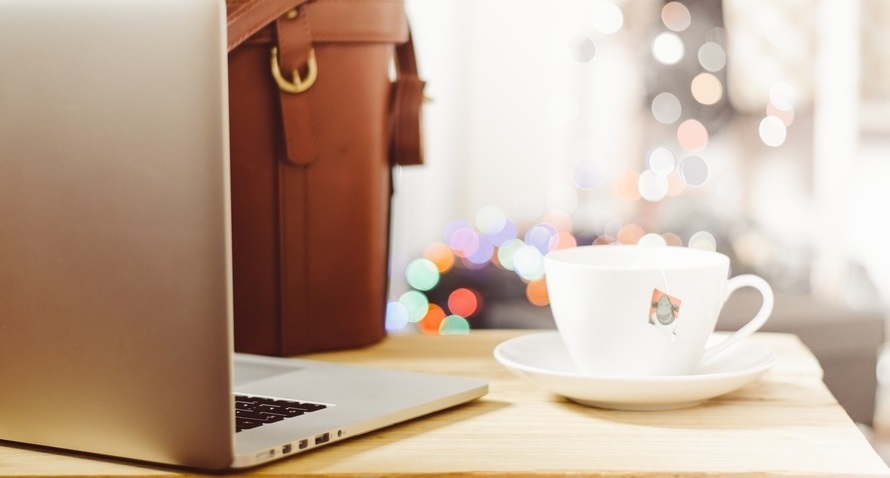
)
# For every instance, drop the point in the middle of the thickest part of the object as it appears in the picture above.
(252, 412)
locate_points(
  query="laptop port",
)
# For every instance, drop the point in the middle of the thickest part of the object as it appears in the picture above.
(287, 449)
(304, 443)
(323, 438)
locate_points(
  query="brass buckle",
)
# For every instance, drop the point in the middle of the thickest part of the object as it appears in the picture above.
(298, 85)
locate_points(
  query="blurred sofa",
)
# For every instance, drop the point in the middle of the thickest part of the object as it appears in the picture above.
(846, 342)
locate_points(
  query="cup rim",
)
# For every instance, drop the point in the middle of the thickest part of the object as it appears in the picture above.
(569, 257)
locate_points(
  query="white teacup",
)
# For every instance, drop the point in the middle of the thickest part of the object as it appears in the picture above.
(644, 310)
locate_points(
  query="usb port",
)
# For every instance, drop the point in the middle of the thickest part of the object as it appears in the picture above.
(287, 449)
(323, 438)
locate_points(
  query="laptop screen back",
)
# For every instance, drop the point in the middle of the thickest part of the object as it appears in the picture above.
(114, 228)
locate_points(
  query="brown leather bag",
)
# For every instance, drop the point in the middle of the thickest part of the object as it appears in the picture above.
(316, 125)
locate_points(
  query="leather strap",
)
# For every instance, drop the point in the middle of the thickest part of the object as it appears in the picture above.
(377, 21)
(294, 45)
(380, 21)
(246, 17)
(405, 142)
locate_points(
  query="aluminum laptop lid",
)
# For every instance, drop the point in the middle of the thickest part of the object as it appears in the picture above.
(114, 237)
(115, 257)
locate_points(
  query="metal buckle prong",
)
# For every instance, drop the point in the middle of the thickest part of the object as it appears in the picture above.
(298, 85)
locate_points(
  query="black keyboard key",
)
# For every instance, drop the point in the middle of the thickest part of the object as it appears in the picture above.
(253, 411)
(247, 414)
(246, 423)
(308, 407)
(271, 408)
(281, 410)
(259, 416)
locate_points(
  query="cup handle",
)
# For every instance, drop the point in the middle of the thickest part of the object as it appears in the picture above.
(737, 282)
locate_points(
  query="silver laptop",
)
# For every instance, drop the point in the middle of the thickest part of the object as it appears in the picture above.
(115, 270)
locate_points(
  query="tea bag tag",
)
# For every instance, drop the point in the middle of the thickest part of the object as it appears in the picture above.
(664, 312)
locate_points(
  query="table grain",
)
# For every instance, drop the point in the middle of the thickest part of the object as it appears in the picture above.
(786, 423)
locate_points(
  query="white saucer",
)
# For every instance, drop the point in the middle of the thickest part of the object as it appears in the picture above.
(542, 359)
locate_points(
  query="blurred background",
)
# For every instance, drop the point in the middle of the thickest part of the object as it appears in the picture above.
(758, 128)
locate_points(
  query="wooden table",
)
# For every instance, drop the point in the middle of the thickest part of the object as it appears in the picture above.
(786, 424)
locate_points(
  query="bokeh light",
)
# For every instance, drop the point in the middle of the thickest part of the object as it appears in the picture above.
(783, 96)
(703, 240)
(630, 234)
(422, 274)
(752, 247)
(706, 89)
(672, 239)
(666, 108)
(653, 187)
(454, 325)
(461, 238)
(564, 240)
(662, 161)
(536, 292)
(490, 220)
(439, 254)
(694, 171)
(454, 226)
(528, 262)
(482, 253)
(676, 16)
(432, 320)
(712, 57)
(463, 302)
(606, 17)
(396, 316)
(507, 252)
(772, 131)
(464, 242)
(676, 185)
(540, 236)
(604, 240)
(416, 303)
(506, 233)
(787, 116)
(587, 174)
(668, 48)
(626, 185)
(692, 135)
(583, 49)
(652, 240)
